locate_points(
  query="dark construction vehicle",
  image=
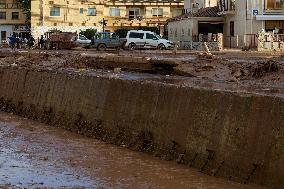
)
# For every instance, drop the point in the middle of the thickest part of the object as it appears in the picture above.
(60, 40)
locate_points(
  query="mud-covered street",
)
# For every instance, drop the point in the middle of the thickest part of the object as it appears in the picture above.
(35, 155)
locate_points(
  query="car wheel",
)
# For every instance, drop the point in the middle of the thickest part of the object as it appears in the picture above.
(161, 47)
(132, 46)
(124, 46)
(101, 47)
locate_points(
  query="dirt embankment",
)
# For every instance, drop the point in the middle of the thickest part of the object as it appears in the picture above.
(265, 70)
(244, 69)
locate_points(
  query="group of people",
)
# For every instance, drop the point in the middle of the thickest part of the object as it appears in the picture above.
(19, 42)
(26, 42)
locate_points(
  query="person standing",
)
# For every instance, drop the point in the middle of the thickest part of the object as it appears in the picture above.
(12, 41)
(41, 42)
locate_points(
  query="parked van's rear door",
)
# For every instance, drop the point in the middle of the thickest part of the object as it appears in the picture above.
(151, 41)
(137, 38)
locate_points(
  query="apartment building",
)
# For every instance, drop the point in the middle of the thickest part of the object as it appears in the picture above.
(245, 18)
(12, 18)
(135, 13)
(65, 15)
(76, 15)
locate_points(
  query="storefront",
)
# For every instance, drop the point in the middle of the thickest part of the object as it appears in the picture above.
(276, 25)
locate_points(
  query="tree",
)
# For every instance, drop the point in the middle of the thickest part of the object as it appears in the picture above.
(26, 5)
(89, 33)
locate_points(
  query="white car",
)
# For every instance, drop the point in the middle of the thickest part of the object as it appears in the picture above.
(147, 40)
(82, 40)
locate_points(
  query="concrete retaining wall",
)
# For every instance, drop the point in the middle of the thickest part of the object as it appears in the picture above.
(240, 137)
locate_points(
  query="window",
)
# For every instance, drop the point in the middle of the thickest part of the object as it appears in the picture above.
(2, 15)
(114, 12)
(81, 10)
(70, 24)
(232, 4)
(136, 35)
(103, 36)
(275, 4)
(92, 11)
(15, 15)
(55, 11)
(150, 36)
(157, 12)
(2, 4)
(82, 37)
(3, 35)
(177, 12)
(134, 13)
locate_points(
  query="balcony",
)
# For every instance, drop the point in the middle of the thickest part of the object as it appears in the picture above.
(227, 8)
(10, 6)
(136, 17)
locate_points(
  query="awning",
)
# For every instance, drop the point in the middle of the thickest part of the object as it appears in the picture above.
(269, 17)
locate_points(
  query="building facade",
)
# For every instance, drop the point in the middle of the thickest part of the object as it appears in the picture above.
(72, 15)
(245, 18)
(201, 18)
(12, 18)
(241, 20)
(194, 5)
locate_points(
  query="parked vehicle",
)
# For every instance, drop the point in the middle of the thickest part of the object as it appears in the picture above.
(60, 40)
(147, 40)
(104, 40)
(65, 40)
(82, 40)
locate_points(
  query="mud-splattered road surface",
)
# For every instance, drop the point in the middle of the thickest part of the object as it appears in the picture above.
(35, 155)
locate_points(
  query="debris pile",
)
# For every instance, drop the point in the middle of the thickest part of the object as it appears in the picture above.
(204, 65)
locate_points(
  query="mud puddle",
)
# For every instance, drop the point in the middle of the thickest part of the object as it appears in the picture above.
(35, 155)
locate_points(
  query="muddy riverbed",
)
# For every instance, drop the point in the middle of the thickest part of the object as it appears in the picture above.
(34, 155)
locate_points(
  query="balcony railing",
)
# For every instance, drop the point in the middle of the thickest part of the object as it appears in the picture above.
(227, 5)
(136, 17)
(10, 6)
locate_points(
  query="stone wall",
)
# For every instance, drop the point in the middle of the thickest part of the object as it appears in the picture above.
(239, 136)
(214, 44)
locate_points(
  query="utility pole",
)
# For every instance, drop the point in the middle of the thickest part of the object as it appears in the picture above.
(104, 23)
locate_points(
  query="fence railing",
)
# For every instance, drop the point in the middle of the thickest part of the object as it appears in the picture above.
(204, 38)
(240, 41)
(232, 42)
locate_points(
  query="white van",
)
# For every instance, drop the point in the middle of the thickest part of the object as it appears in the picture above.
(146, 39)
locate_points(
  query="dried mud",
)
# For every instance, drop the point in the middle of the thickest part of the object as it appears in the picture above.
(245, 69)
